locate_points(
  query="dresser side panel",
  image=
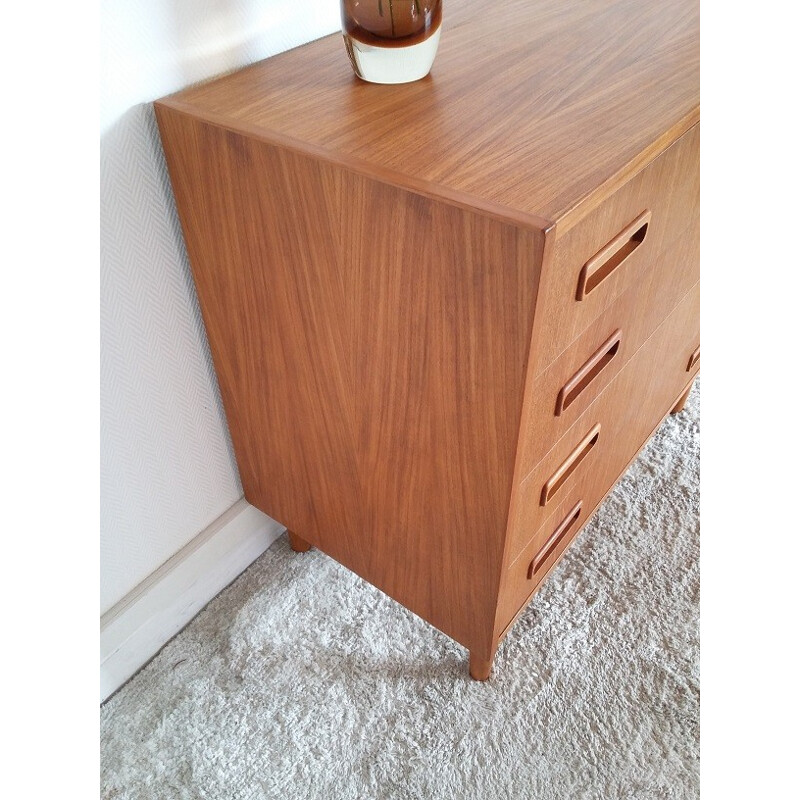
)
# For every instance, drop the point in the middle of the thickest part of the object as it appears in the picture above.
(371, 345)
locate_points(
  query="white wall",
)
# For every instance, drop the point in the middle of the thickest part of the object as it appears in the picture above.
(167, 468)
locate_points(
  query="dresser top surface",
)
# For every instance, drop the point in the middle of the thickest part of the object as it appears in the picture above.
(536, 107)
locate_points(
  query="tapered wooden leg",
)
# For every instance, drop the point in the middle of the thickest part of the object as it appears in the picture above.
(298, 544)
(681, 404)
(479, 665)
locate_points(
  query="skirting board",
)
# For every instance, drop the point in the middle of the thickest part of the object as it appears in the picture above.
(139, 625)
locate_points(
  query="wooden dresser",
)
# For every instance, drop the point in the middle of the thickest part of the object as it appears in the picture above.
(445, 316)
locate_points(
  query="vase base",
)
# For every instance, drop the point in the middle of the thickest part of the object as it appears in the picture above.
(392, 64)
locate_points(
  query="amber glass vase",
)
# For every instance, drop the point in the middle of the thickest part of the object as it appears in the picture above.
(391, 41)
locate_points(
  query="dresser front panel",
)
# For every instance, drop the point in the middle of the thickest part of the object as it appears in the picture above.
(563, 391)
(627, 412)
(613, 247)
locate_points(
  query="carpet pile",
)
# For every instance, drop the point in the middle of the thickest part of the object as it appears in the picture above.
(300, 680)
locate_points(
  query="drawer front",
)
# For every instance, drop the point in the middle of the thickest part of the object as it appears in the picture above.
(526, 574)
(612, 248)
(565, 389)
(590, 457)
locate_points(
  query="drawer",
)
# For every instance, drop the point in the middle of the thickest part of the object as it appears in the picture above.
(528, 571)
(565, 389)
(611, 248)
(593, 453)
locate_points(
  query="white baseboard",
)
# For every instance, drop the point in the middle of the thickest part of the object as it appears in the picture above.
(139, 625)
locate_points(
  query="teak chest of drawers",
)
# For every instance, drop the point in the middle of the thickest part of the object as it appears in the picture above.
(446, 315)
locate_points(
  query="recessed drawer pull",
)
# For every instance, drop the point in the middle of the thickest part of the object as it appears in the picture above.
(693, 359)
(602, 264)
(570, 465)
(556, 536)
(597, 362)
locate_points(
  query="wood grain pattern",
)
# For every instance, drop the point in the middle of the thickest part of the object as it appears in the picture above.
(658, 365)
(568, 467)
(669, 189)
(655, 376)
(352, 326)
(589, 373)
(388, 276)
(612, 256)
(664, 281)
(565, 528)
(545, 570)
(582, 94)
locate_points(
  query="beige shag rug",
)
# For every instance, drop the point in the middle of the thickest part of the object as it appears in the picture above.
(302, 681)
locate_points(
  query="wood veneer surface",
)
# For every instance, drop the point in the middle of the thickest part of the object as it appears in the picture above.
(662, 284)
(669, 190)
(371, 349)
(655, 376)
(538, 106)
(387, 273)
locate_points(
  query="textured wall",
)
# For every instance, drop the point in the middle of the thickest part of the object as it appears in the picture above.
(167, 468)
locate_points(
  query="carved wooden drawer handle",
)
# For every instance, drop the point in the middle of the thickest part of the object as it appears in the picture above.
(574, 459)
(606, 261)
(597, 362)
(567, 524)
(693, 359)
